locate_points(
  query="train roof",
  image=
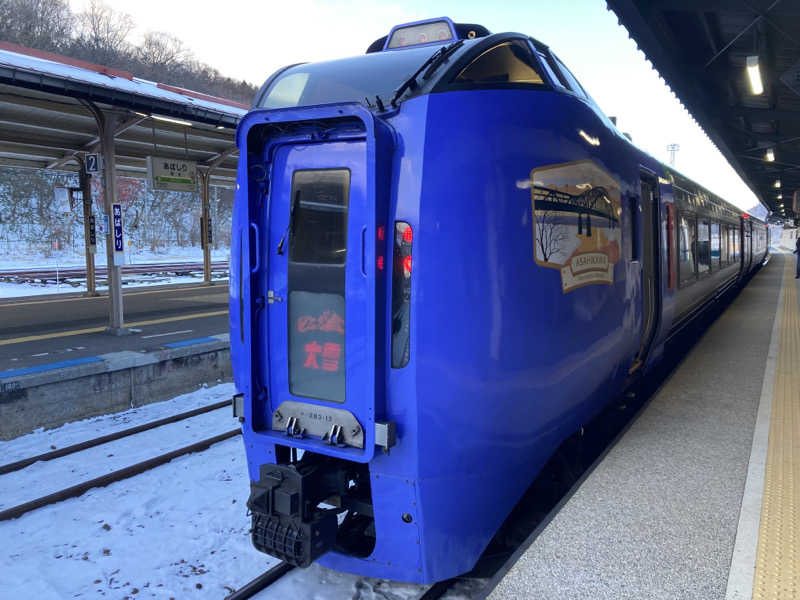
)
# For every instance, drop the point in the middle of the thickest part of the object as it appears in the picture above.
(423, 57)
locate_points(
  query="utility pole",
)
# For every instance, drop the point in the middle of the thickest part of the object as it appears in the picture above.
(673, 150)
(89, 226)
(205, 223)
(107, 123)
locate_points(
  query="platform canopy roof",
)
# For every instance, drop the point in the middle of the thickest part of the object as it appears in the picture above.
(701, 49)
(45, 120)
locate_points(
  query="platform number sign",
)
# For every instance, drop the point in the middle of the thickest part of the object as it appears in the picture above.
(117, 213)
(94, 163)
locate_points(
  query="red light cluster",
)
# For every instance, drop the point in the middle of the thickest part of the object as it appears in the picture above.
(407, 265)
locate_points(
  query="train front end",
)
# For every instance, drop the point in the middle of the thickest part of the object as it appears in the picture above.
(307, 297)
(320, 292)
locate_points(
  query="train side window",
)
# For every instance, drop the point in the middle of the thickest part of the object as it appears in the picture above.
(715, 245)
(723, 245)
(508, 62)
(703, 248)
(686, 258)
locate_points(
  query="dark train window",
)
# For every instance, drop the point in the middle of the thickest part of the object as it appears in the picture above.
(703, 247)
(509, 62)
(714, 246)
(317, 251)
(686, 235)
(319, 216)
(723, 245)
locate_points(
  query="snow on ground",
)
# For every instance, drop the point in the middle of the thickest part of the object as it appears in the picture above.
(177, 531)
(19, 290)
(68, 258)
(44, 440)
(22, 259)
(53, 475)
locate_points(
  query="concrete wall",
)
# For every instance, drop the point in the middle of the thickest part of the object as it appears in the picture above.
(119, 381)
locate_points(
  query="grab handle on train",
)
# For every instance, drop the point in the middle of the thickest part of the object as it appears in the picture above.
(255, 268)
(364, 251)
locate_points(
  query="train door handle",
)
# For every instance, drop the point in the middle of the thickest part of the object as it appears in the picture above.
(255, 268)
(364, 250)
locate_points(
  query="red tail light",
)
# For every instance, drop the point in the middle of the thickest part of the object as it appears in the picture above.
(401, 294)
(407, 266)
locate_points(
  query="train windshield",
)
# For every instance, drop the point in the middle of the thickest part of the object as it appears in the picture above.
(356, 79)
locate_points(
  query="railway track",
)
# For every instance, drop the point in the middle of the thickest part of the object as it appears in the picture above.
(60, 275)
(258, 584)
(21, 464)
(119, 474)
(251, 588)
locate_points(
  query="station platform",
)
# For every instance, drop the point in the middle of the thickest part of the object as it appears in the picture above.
(58, 365)
(39, 331)
(698, 498)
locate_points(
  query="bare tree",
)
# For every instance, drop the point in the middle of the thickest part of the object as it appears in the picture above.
(162, 51)
(549, 234)
(103, 32)
(42, 24)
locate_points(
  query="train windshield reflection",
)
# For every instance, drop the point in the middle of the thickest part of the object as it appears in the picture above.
(356, 79)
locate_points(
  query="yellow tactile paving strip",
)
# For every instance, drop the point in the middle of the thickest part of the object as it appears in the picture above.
(777, 573)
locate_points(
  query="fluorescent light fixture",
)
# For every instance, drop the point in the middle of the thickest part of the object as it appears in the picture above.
(591, 140)
(754, 73)
(169, 120)
(770, 155)
(777, 183)
(220, 126)
(780, 197)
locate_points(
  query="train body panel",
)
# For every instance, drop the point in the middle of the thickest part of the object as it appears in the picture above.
(428, 298)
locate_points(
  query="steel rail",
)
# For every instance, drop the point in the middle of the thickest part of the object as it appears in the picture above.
(25, 462)
(114, 476)
(267, 578)
(63, 273)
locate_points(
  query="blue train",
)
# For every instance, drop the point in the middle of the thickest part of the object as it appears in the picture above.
(445, 260)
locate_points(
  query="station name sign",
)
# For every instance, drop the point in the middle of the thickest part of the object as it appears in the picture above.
(172, 174)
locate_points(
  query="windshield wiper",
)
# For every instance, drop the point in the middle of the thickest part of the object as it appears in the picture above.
(434, 62)
(290, 225)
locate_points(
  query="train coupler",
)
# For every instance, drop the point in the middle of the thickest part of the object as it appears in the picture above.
(287, 521)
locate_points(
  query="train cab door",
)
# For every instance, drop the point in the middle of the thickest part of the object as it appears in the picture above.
(650, 244)
(320, 326)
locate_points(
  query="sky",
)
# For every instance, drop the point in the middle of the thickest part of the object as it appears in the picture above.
(253, 38)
